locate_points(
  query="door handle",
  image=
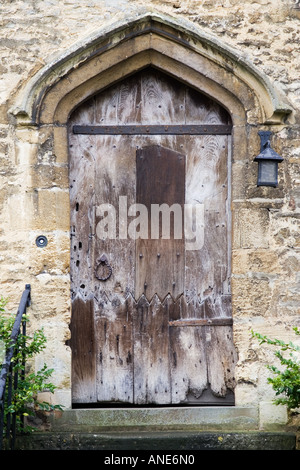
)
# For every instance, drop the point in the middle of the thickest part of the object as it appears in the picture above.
(103, 270)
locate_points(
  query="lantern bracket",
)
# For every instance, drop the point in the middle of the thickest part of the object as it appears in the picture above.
(264, 137)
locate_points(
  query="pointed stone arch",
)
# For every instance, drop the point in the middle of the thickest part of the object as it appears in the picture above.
(176, 47)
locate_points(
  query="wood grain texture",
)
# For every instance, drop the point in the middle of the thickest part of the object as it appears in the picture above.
(160, 184)
(114, 343)
(147, 328)
(83, 351)
(151, 353)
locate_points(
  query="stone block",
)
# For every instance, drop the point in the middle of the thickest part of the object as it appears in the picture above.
(50, 209)
(256, 260)
(251, 296)
(251, 228)
(61, 145)
(53, 258)
(272, 416)
(26, 154)
(49, 176)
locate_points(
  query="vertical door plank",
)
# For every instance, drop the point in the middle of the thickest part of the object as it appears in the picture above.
(115, 193)
(188, 364)
(82, 341)
(160, 262)
(120, 104)
(151, 353)
(221, 358)
(114, 185)
(199, 109)
(82, 114)
(187, 352)
(163, 99)
(106, 107)
(129, 102)
(114, 346)
(82, 201)
(83, 351)
(207, 185)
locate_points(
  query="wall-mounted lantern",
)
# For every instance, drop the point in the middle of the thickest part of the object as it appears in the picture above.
(268, 161)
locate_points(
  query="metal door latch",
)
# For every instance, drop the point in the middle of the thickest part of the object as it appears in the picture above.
(103, 270)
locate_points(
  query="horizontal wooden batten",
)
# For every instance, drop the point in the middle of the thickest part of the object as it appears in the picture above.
(154, 130)
(218, 321)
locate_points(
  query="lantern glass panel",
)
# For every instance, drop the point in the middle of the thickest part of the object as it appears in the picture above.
(267, 174)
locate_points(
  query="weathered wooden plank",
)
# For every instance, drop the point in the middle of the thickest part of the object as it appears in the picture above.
(162, 99)
(207, 185)
(187, 352)
(120, 103)
(151, 353)
(160, 184)
(81, 175)
(106, 107)
(218, 307)
(221, 359)
(83, 114)
(182, 311)
(200, 108)
(83, 351)
(114, 194)
(129, 100)
(82, 201)
(202, 357)
(114, 346)
(188, 364)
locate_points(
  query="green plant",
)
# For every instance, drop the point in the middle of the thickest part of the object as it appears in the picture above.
(24, 400)
(286, 381)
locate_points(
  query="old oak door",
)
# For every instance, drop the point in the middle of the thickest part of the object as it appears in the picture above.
(150, 222)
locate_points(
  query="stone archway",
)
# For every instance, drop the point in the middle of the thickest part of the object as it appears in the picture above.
(175, 47)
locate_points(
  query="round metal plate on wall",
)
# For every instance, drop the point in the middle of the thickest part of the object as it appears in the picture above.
(41, 241)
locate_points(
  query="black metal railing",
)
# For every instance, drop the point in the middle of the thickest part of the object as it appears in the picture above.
(9, 375)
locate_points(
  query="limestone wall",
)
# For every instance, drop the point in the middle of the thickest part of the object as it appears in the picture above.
(34, 175)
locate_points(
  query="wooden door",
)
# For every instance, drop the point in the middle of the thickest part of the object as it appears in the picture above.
(150, 238)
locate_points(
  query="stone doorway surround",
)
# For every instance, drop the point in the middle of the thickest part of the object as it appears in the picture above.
(40, 115)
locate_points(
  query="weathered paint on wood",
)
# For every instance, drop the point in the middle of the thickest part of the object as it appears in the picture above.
(169, 342)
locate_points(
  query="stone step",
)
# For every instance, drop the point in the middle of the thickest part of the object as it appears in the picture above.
(157, 419)
(177, 442)
(174, 429)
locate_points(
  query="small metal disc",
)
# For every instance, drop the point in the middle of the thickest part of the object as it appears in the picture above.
(41, 241)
